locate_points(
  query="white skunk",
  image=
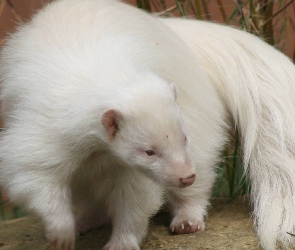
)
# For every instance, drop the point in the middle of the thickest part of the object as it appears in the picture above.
(92, 129)
(93, 133)
(257, 85)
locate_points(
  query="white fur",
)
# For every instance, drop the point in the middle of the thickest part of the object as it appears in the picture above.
(257, 85)
(67, 78)
(77, 59)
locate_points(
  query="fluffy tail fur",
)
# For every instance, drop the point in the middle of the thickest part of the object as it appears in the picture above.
(257, 85)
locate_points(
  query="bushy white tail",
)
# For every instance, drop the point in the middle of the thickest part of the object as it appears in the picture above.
(257, 85)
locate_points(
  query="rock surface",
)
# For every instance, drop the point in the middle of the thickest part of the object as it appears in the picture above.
(229, 226)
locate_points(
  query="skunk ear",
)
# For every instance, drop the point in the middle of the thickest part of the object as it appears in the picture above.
(110, 120)
(173, 87)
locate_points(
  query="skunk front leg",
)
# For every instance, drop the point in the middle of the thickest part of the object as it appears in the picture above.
(133, 200)
(188, 206)
(36, 173)
(51, 201)
(59, 220)
(187, 212)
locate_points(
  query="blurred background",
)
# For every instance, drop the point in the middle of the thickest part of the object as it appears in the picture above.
(272, 20)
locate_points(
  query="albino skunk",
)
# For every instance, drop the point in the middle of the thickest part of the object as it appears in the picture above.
(257, 86)
(93, 133)
(106, 109)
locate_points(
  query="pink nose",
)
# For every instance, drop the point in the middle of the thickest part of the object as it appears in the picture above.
(187, 181)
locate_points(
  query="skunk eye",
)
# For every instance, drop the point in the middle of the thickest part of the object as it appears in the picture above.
(150, 152)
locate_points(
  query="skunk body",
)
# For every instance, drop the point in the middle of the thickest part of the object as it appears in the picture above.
(93, 129)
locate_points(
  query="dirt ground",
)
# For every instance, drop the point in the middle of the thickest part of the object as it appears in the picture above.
(229, 226)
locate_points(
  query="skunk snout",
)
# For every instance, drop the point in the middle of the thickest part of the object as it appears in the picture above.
(187, 181)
